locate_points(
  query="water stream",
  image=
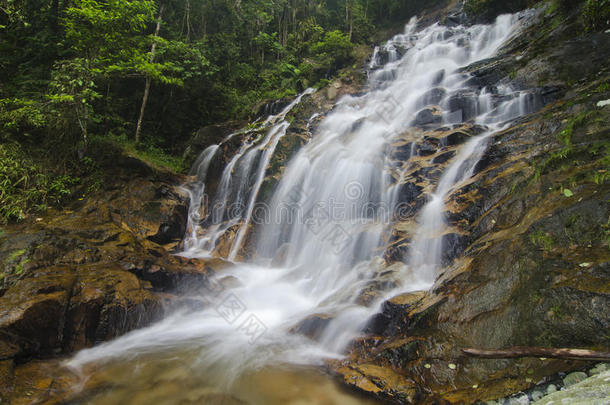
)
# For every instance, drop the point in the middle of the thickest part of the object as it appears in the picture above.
(322, 239)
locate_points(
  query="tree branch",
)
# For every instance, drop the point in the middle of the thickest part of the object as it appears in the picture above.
(523, 351)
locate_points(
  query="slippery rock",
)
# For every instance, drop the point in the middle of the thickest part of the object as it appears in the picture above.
(428, 116)
(32, 313)
(313, 326)
(432, 97)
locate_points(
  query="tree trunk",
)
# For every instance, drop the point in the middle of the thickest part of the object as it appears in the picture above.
(521, 351)
(147, 85)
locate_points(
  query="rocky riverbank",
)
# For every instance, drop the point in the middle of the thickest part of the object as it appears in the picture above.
(526, 254)
(95, 270)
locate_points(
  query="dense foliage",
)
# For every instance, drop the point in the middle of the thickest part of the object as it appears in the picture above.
(595, 13)
(74, 71)
(77, 66)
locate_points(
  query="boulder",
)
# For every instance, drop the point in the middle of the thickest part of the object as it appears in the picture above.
(107, 302)
(313, 326)
(428, 116)
(432, 97)
(462, 106)
(32, 313)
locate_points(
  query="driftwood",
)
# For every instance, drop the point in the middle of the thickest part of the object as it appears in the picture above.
(523, 351)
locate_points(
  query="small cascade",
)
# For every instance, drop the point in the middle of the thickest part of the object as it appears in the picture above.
(237, 190)
(335, 206)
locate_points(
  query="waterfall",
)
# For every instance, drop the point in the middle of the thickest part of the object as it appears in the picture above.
(234, 198)
(333, 208)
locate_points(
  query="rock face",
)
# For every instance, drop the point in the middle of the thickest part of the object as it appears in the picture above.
(526, 253)
(94, 271)
(527, 258)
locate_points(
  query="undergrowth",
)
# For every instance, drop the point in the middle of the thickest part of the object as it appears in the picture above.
(26, 187)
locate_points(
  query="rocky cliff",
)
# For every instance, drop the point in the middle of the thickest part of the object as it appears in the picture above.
(526, 254)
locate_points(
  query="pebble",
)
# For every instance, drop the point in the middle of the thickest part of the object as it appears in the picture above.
(574, 378)
(520, 400)
(537, 394)
(551, 388)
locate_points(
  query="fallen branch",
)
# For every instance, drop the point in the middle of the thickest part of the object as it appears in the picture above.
(522, 351)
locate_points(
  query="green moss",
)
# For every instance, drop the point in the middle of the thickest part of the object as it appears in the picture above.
(146, 151)
(557, 311)
(602, 88)
(15, 263)
(14, 255)
(26, 186)
(596, 15)
(542, 240)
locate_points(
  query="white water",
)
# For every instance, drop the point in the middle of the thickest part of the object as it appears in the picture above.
(321, 244)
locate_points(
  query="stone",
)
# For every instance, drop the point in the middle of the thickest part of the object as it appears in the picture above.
(574, 378)
(466, 103)
(599, 368)
(537, 394)
(106, 303)
(592, 390)
(428, 116)
(313, 325)
(432, 97)
(32, 312)
(519, 400)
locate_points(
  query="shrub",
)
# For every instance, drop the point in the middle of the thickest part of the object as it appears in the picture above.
(334, 51)
(596, 15)
(489, 9)
(24, 187)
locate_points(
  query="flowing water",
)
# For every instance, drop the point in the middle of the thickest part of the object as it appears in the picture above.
(320, 242)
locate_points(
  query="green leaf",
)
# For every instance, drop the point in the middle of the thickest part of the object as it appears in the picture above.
(567, 192)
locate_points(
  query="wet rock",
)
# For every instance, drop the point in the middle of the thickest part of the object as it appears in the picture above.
(408, 192)
(204, 137)
(519, 400)
(380, 382)
(592, 390)
(455, 19)
(455, 138)
(426, 149)
(442, 158)
(403, 302)
(32, 313)
(462, 106)
(438, 77)
(106, 302)
(432, 97)
(173, 273)
(538, 394)
(392, 317)
(313, 326)
(453, 245)
(157, 212)
(281, 255)
(428, 116)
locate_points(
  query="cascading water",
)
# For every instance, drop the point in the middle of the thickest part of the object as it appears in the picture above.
(332, 210)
